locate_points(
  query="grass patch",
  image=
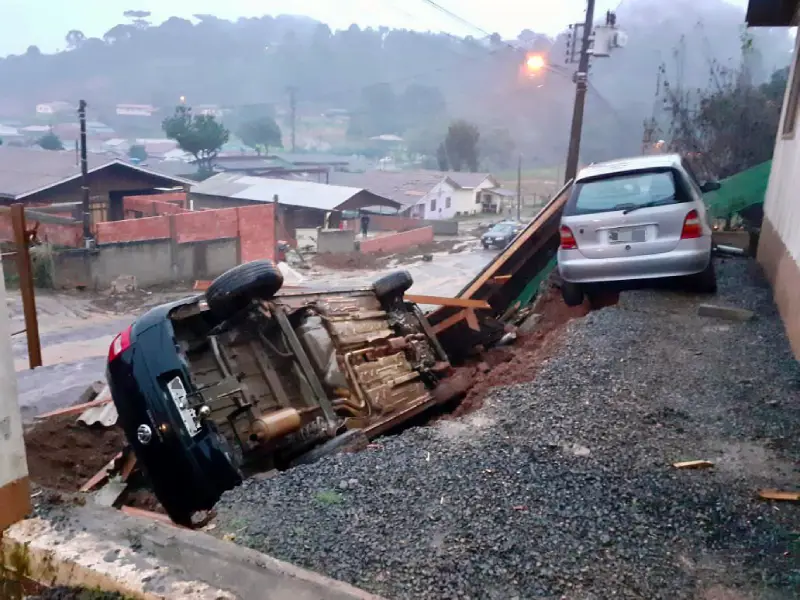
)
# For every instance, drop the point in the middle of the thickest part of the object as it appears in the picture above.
(328, 497)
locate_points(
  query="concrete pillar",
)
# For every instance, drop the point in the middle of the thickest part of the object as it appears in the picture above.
(14, 485)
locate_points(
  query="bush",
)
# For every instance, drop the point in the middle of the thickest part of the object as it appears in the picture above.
(43, 266)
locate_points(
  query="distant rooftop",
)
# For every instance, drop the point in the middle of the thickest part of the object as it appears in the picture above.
(304, 194)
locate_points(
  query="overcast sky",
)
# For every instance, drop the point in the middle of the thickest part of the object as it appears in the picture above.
(45, 22)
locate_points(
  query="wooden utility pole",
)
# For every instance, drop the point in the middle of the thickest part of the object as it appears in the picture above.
(519, 188)
(581, 81)
(293, 115)
(87, 216)
(26, 285)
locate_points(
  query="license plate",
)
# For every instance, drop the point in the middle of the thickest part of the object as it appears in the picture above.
(179, 397)
(624, 236)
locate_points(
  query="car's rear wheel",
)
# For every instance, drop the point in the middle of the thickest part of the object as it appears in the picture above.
(572, 293)
(705, 282)
(235, 288)
(392, 286)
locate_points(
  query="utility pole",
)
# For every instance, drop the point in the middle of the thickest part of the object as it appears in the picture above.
(581, 84)
(519, 188)
(87, 226)
(293, 114)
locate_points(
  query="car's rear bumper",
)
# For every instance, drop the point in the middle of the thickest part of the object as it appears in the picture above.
(688, 257)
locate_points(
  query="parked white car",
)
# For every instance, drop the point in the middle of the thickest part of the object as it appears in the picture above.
(637, 218)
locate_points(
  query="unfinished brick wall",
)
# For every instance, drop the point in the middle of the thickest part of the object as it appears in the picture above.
(398, 241)
(154, 204)
(132, 230)
(256, 232)
(59, 235)
(207, 225)
(385, 223)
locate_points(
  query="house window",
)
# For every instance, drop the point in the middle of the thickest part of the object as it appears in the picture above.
(433, 204)
(477, 198)
(487, 198)
(447, 202)
(790, 116)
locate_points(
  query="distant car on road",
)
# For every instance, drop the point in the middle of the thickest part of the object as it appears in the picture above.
(501, 234)
(637, 218)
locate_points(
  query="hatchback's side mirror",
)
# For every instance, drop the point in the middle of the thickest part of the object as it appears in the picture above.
(710, 186)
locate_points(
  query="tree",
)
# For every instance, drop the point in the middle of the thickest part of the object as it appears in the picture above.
(75, 38)
(50, 141)
(119, 33)
(441, 158)
(461, 146)
(139, 18)
(33, 51)
(202, 136)
(138, 152)
(731, 125)
(421, 105)
(261, 134)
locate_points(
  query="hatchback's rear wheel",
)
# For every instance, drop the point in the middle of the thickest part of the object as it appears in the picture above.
(572, 293)
(705, 282)
(233, 290)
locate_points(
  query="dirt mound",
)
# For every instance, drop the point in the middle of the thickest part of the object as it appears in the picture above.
(64, 454)
(349, 260)
(521, 362)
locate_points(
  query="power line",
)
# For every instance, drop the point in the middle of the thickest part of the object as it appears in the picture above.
(458, 18)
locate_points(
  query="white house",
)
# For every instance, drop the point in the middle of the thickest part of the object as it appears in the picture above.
(135, 110)
(52, 108)
(779, 243)
(460, 194)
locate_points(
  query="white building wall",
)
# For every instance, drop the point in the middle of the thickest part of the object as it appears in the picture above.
(14, 501)
(782, 201)
(440, 193)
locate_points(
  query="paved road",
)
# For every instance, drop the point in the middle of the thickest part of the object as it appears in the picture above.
(74, 353)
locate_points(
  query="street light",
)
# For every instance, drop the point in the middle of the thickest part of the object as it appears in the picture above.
(535, 63)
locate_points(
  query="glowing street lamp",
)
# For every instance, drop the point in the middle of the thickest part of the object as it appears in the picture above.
(535, 63)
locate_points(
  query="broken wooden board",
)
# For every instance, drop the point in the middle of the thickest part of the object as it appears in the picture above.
(101, 476)
(442, 301)
(693, 464)
(779, 495)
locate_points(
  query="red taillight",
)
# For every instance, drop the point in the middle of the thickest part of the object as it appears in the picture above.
(692, 227)
(567, 239)
(121, 343)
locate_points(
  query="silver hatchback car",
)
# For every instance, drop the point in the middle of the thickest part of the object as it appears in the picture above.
(638, 218)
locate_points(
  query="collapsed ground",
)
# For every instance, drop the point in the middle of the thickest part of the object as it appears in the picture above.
(564, 487)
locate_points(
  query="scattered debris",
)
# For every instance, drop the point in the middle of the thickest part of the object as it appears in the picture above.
(427, 257)
(100, 399)
(104, 415)
(725, 312)
(693, 464)
(102, 475)
(124, 284)
(729, 250)
(779, 495)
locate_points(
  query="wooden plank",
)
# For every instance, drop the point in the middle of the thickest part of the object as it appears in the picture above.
(147, 514)
(449, 322)
(75, 410)
(693, 464)
(497, 279)
(100, 476)
(779, 495)
(441, 301)
(128, 466)
(472, 320)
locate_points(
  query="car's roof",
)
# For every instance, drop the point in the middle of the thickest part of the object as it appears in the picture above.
(635, 163)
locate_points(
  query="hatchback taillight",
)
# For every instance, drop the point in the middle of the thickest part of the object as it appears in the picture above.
(121, 343)
(692, 227)
(568, 241)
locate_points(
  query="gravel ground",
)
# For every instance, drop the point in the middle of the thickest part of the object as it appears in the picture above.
(563, 488)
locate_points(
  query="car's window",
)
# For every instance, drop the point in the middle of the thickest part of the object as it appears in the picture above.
(502, 229)
(624, 191)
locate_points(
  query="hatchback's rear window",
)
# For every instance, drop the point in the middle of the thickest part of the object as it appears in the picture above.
(624, 191)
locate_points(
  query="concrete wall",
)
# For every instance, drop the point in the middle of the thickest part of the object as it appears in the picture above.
(398, 241)
(779, 243)
(152, 262)
(14, 484)
(336, 241)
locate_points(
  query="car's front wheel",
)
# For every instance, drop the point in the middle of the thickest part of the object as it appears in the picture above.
(572, 293)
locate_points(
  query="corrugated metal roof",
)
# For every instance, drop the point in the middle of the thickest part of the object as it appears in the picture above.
(306, 194)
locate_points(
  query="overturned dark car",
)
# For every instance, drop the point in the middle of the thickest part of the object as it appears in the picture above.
(242, 379)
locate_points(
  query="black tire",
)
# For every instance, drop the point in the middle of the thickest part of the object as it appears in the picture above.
(393, 285)
(572, 293)
(352, 437)
(235, 288)
(705, 282)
